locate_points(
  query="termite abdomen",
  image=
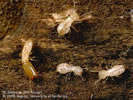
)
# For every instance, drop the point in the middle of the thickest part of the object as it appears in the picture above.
(29, 70)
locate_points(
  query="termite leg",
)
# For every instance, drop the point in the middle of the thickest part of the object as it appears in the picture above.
(97, 81)
(68, 76)
(113, 78)
(105, 80)
(85, 68)
(82, 78)
(30, 85)
(33, 59)
(75, 28)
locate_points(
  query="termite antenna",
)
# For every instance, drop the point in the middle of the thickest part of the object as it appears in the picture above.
(94, 71)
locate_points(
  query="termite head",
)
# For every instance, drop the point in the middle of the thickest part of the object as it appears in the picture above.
(26, 50)
(102, 74)
(77, 70)
(30, 43)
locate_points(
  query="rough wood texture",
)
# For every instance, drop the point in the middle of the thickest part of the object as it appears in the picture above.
(97, 44)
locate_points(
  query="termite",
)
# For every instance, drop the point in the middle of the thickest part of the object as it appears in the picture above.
(26, 64)
(64, 26)
(66, 18)
(65, 68)
(115, 71)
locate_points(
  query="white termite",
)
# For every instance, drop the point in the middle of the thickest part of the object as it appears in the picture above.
(64, 27)
(65, 68)
(65, 19)
(70, 16)
(26, 64)
(115, 71)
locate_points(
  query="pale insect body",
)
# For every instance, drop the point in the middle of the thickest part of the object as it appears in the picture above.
(116, 71)
(26, 64)
(132, 18)
(77, 70)
(65, 68)
(131, 15)
(26, 50)
(64, 27)
(65, 20)
(59, 17)
(113, 72)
